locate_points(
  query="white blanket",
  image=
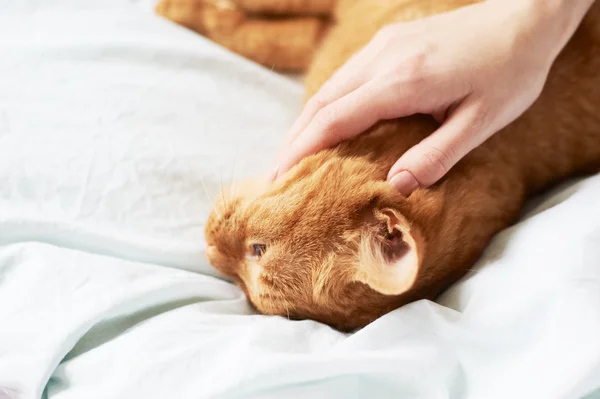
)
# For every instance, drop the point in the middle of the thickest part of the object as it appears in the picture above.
(111, 122)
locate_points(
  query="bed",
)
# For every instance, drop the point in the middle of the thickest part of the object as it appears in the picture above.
(117, 130)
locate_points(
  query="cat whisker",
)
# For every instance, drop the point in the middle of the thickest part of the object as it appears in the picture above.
(205, 191)
(233, 191)
(208, 197)
(286, 304)
(232, 182)
(272, 301)
(221, 187)
(271, 298)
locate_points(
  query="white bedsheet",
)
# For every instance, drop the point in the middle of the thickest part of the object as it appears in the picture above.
(111, 120)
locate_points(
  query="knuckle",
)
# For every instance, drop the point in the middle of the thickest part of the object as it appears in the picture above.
(317, 102)
(407, 86)
(411, 76)
(436, 162)
(414, 67)
(481, 117)
(328, 122)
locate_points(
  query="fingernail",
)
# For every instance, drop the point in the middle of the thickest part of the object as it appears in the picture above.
(404, 182)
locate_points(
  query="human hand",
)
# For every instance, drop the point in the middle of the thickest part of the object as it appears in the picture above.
(475, 69)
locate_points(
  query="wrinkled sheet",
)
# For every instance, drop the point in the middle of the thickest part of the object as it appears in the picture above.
(116, 129)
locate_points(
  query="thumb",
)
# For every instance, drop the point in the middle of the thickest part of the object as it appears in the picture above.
(427, 162)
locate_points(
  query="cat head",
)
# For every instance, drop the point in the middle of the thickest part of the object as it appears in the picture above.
(329, 241)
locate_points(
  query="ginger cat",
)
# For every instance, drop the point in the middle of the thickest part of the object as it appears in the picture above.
(332, 241)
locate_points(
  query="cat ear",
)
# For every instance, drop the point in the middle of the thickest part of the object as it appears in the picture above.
(389, 254)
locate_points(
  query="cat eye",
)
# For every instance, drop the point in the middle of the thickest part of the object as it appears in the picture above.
(258, 250)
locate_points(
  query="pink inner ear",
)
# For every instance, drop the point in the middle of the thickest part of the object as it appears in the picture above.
(395, 247)
(388, 262)
(389, 254)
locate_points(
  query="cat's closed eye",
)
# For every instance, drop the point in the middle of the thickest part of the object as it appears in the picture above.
(257, 250)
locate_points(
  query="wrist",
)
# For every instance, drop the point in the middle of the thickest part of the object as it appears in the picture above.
(547, 24)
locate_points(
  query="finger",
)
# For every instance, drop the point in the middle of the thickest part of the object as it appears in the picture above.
(349, 116)
(427, 162)
(345, 80)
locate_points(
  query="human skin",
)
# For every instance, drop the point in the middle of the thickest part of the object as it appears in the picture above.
(475, 69)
